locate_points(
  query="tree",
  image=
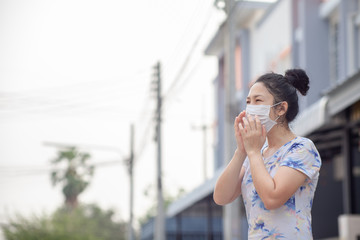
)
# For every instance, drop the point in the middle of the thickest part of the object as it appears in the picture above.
(71, 221)
(76, 175)
(85, 222)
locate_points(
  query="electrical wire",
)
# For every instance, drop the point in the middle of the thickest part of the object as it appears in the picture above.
(77, 97)
(76, 100)
(21, 171)
(172, 89)
(180, 45)
(188, 57)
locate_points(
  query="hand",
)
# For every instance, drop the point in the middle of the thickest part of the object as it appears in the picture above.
(238, 121)
(253, 134)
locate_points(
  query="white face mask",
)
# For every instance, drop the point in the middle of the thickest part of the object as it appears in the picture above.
(263, 112)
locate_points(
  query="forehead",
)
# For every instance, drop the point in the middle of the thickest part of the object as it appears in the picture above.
(259, 89)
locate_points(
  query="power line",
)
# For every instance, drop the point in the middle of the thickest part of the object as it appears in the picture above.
(144, 140)
(103, 95)
(115, 80)
(9, 171)
(145, 137)
(85, 146)
(186, 80)
(176, 81)
(180, 45)
(188, 57)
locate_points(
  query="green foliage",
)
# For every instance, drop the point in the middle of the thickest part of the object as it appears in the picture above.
(75, 177)
(87, 222)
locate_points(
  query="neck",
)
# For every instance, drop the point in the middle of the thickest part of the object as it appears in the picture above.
(279, 135)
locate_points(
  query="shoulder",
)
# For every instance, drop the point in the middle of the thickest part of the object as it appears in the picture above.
(302, 155)
(302, 144)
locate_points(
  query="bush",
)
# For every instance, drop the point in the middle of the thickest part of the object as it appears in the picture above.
(87, 222)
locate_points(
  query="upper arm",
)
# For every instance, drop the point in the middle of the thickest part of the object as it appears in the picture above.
(287, 181)
(301, 162)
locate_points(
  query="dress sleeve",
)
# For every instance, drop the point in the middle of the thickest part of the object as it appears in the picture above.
(304, 157)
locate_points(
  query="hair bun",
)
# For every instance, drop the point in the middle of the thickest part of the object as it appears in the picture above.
(299, 79)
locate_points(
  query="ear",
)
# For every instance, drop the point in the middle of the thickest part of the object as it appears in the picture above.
(282, 108)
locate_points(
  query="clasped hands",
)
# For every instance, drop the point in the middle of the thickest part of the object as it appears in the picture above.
(249, 133)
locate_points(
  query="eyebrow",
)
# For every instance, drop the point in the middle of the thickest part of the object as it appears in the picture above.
(255, 96)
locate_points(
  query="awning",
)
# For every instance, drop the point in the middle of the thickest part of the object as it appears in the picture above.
(311, 118)
(193, 197)
(335, 100)
(344, 95)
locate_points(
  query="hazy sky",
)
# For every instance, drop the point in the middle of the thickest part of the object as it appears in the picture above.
(79, 72)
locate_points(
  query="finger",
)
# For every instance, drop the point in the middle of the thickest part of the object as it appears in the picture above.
(236, 122)
(242, 129)
(251, 122)
(258, 123)
(246, 123)
(241, 115)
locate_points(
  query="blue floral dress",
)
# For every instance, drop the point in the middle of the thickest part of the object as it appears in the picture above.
(293, 219)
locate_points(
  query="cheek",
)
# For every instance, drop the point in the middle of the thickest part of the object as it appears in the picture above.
(273, 113)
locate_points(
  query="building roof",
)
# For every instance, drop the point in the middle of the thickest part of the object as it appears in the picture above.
(243, 12)
(344, 94)
(311, 118)
(196, 195)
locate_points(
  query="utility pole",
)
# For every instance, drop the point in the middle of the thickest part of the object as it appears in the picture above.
(230, 89)
(129, 161)
(232, 211)
(203, 127)
(131, 235)
(160, 217)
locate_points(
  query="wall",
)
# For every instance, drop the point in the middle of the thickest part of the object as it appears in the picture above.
(270, 37)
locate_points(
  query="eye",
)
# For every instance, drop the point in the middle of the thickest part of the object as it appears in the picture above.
(258, 100)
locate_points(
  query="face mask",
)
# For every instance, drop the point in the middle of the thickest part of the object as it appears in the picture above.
(263, 112)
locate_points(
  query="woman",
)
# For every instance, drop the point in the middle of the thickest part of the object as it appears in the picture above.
(277, 179)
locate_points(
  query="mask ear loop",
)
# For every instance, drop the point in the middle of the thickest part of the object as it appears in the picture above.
(278, 115)
(277, 104)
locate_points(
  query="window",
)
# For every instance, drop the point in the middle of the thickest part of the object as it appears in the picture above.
(334, 47)
(353, 35)
(238, 68)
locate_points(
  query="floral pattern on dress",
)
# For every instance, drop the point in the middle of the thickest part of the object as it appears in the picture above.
(293, 219)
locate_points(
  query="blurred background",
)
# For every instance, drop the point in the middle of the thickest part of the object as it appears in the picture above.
(116, 117)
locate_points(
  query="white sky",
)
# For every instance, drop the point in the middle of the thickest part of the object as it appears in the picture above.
(79, 71)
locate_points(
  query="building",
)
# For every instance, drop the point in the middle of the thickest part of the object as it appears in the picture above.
(326, 41)
(322, 37)
(195, 216)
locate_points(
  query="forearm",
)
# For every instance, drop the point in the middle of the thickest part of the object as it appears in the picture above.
(229, 181)
(263, 182)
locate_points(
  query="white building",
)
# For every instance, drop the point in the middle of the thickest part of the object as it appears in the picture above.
(322, 37)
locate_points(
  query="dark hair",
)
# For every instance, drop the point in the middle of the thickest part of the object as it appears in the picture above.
(283, 88)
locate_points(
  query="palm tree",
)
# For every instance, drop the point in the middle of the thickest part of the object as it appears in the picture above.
(73, 172)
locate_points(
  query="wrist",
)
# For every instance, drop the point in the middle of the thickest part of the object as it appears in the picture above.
(240, 153)
(254, 154)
